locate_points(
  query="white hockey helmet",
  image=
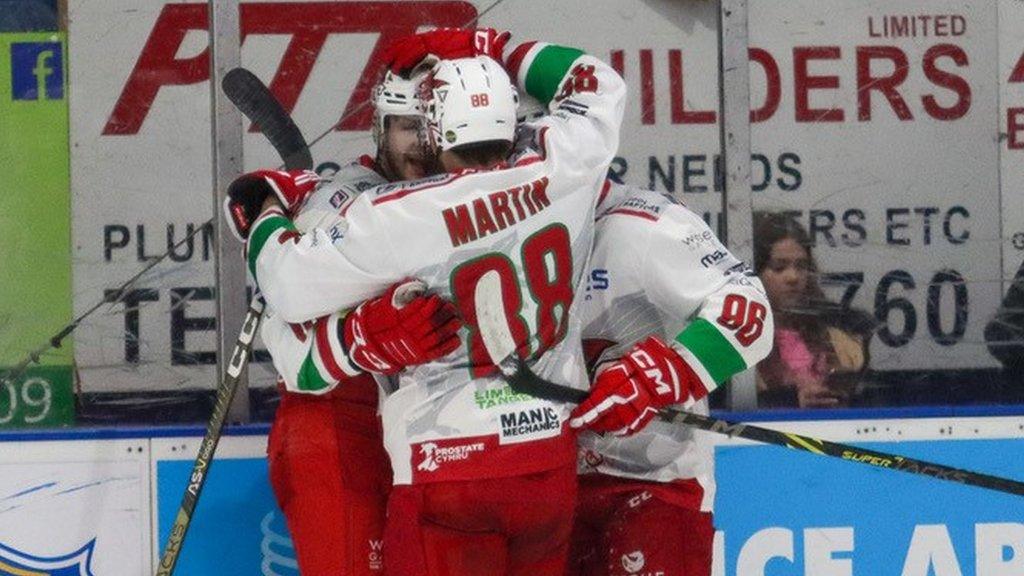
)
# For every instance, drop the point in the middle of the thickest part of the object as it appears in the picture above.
(394, 96)
(468, 100)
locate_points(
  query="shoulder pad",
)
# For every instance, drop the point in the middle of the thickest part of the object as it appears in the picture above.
(347, 183)
(358, 175)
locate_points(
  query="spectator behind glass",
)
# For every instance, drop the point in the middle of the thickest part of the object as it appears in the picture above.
(821, 350)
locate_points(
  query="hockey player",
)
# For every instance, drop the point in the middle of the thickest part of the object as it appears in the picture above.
(463, 448)
(671, 313)
(328, 467)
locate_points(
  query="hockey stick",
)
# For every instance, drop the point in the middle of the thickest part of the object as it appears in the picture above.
(254, 99)
(501, 348)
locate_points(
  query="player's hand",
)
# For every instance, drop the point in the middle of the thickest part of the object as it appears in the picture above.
(445, 43)
(404, 327)
(628, 393)
(246, 195)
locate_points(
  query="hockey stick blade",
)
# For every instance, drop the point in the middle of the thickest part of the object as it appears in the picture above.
(250, 95)
(500, 347)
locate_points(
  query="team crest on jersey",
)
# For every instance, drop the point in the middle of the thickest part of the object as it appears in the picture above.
(339, 198)
(18, 563)
(712, 258)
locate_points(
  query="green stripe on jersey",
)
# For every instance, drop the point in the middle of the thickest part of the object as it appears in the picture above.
(549, 66)
(258, 237)
(717, 355)
(310, 379)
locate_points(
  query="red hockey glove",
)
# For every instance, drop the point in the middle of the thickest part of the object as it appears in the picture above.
(399, 329)
(246, 195)
(628, 393)
(445, 43)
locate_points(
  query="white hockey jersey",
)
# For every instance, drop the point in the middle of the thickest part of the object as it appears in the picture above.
(658, 269)
(302, 354)
(531, 222)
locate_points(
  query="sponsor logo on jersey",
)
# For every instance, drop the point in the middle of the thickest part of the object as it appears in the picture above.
(597, 280)
(713, 258)
(638, 203)
(697, 239)
(37, 71)
(503, 396)
(574, 107)
(633, 562)
(639, 499)
(434, 456)
(543, 422)
(376, 555)
(16, 562)
(411, 184)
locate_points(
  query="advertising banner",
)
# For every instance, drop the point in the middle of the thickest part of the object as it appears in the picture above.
(236, 500)
(779, 512)
(891, 108)
(141, 131)
(35, 255)
(876, 124)
(75, 508)
(1011, 132)
(787, 513)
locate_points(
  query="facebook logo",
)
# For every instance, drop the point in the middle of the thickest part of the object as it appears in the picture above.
(37, 71)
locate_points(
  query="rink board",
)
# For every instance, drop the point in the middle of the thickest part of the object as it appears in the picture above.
(779, 512)
(909, 194)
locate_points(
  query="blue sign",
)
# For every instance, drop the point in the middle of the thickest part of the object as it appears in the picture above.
(37, 71)
(237, 529)
(787, 513)
(18, 562)
(780, 513)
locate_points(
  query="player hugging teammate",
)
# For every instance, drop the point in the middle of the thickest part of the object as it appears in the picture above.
(367, 277)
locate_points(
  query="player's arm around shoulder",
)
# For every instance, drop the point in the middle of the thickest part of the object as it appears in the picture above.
(692, 276)
(327, 206)
(585, 96)
(305, 276)
(297, 359)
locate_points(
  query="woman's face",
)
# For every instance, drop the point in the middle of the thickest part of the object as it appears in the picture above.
(786, 274)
